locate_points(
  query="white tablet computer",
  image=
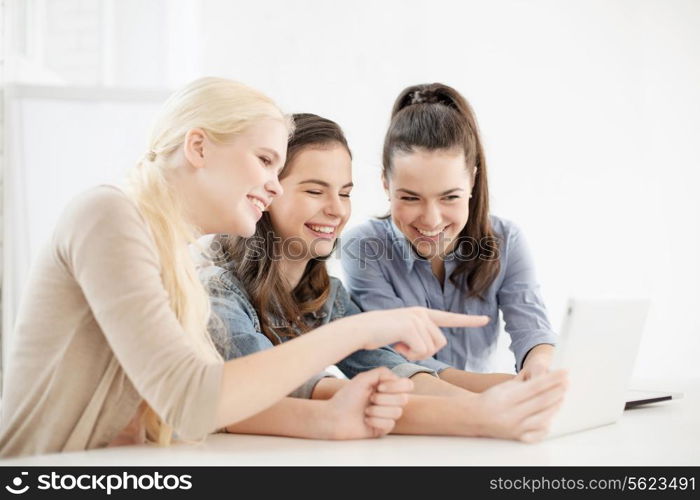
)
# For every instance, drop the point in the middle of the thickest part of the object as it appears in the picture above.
(598, 346)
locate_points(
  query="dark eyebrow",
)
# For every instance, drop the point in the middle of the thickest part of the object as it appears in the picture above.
(444, 193)
(324, 183)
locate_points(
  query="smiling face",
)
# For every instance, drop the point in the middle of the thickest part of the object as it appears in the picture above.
(235, 181)
(429, 193)
(316, 202)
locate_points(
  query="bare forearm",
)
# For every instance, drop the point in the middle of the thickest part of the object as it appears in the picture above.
(290, 417)
(474, 382)
(327, 387)
(544, 351)
(279, 370)
(435, 407)
(423, 383)
(428, 385)
(439, 416)
(443, 415)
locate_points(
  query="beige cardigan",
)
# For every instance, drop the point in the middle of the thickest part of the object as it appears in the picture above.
(95, 336)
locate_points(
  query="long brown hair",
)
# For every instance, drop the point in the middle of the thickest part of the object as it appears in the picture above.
(433, 117)
(254, 260)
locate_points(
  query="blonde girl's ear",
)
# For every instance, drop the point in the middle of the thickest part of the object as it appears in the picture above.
(193, 146)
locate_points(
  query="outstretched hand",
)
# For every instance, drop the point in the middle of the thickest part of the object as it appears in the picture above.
(414, 331)
(522, 409)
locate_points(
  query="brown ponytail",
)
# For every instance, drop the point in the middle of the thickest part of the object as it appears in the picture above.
(433, 117)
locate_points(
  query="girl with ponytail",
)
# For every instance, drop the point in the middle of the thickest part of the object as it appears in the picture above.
(111, 343)
(441, 247)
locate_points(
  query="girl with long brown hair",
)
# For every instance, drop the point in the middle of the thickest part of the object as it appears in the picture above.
(440, 246)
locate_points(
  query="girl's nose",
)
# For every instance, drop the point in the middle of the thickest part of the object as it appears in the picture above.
(274, 187)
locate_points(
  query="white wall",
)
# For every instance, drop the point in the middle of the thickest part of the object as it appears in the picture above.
(590, 112)
(60, 142)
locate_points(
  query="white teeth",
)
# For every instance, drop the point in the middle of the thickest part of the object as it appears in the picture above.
(430, 233)
(258, 204)
(322, 229)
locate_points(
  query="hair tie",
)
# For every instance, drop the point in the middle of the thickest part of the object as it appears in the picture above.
(151, 155)
(417, 97)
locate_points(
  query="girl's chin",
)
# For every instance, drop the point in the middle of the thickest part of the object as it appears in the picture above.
(245, 231)
(320, 249)
(426, 249)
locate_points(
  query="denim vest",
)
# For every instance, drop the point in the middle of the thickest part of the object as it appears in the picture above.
(236, 331)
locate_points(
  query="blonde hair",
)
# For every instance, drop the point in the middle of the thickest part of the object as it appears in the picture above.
(221, 108)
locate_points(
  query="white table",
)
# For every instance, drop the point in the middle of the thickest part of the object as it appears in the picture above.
(665, 433)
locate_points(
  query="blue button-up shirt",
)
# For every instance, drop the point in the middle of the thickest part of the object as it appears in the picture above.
(383, 271)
